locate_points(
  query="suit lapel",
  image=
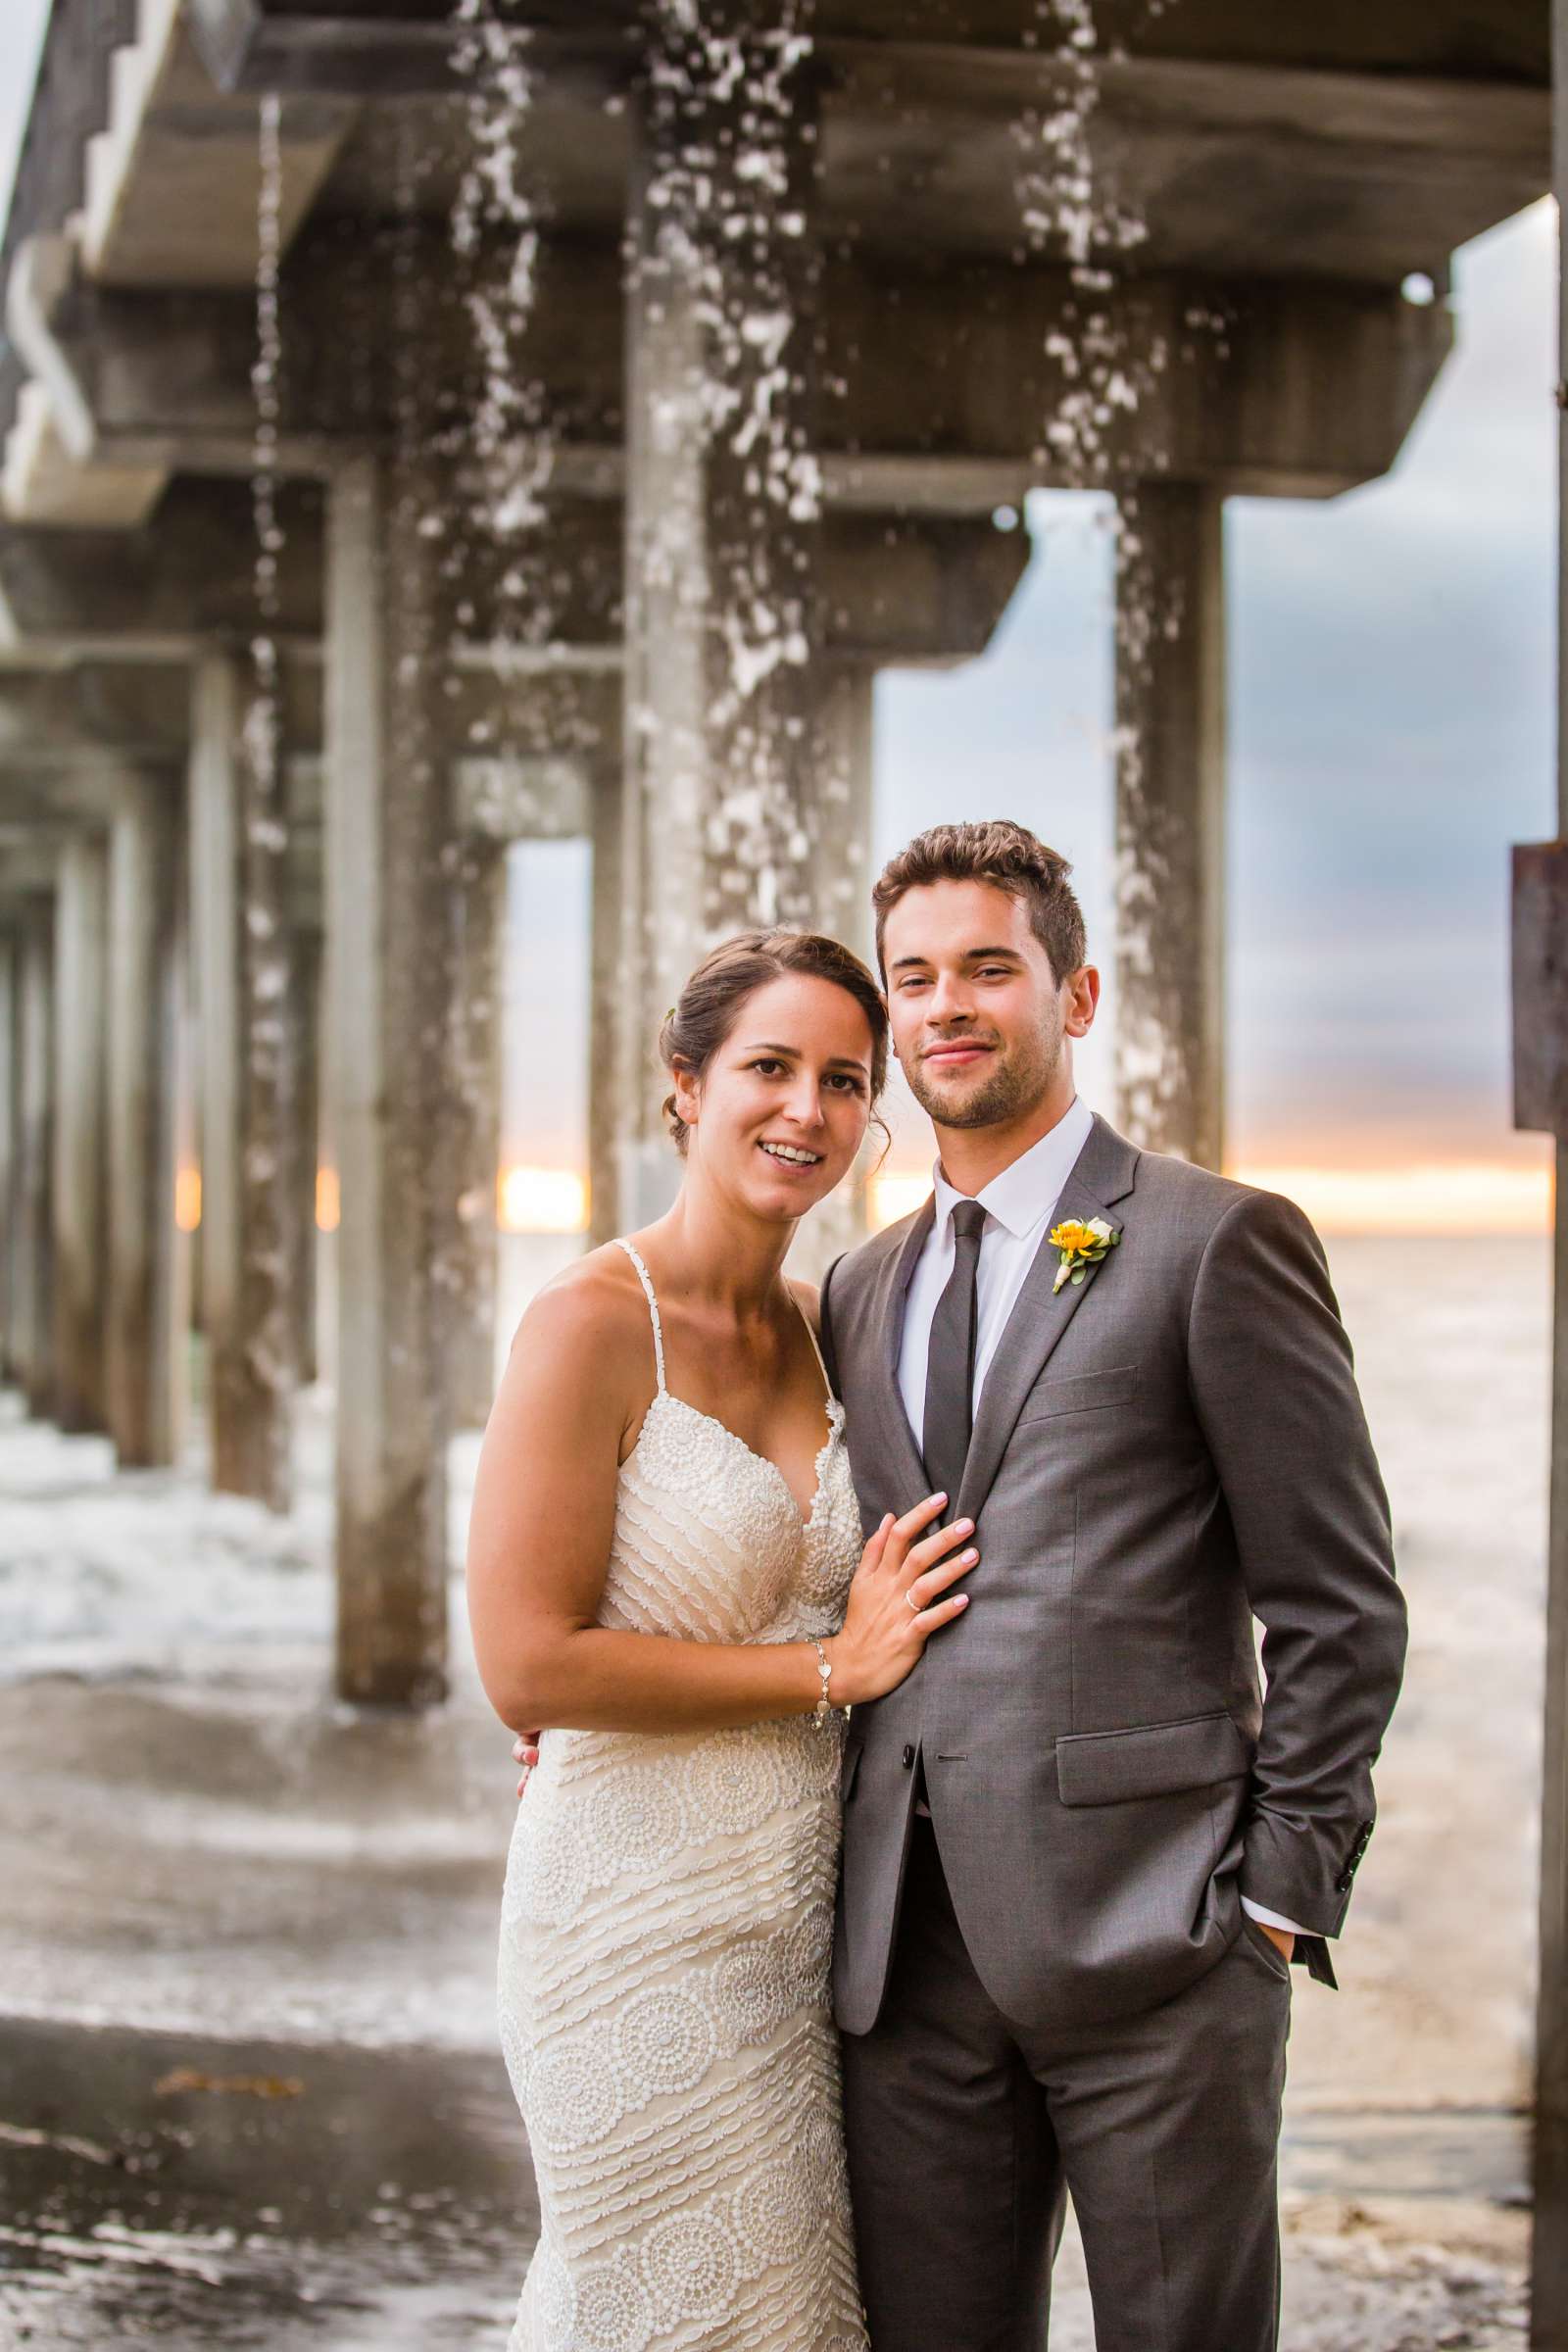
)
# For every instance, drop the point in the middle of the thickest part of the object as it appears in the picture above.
(1103, 1173)
(887, 1330)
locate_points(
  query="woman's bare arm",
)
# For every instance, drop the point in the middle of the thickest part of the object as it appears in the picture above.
(544, 1511)
(544, 1514)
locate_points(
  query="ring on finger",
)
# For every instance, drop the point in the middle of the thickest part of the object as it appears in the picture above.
(913, 1604)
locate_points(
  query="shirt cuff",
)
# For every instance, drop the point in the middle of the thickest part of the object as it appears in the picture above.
(1272, 1919)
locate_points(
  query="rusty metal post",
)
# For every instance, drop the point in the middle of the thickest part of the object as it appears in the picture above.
(1540, 1100)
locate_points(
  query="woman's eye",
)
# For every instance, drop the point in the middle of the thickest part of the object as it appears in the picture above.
(845, 1082)
(767, 1066)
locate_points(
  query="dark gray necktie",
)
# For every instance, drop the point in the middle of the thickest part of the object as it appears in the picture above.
(949, 1360)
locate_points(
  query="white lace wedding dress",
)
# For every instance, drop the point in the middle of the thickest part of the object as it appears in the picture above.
(667, 1932)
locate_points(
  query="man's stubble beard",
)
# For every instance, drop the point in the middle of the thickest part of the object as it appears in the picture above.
(1012, 1089)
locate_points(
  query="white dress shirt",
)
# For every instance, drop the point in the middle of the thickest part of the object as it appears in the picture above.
(1020, 1207)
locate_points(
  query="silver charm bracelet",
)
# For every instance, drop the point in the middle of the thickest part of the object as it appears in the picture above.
(824, 1706)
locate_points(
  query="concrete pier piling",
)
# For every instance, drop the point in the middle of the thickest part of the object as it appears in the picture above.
(1170, 819)
(388, 1024)
(239, 946)
(79, 1193)
(147, 1301)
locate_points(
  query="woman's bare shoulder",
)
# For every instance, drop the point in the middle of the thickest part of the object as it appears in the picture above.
(593, 1309)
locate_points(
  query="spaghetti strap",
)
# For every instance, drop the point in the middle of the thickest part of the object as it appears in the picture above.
(646, 1279)
(817, 1351)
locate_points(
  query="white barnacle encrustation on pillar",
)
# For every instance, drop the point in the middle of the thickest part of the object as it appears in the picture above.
(80, 1194)
(240, 839)
(147, 1290)
(722, 635)
(390, 936)
(1170, 818)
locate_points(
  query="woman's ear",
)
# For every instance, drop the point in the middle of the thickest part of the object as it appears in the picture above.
(688, 1093)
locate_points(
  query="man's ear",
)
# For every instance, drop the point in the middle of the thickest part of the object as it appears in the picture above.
(1084, 1000)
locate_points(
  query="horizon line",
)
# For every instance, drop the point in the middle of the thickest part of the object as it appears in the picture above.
(1421, 1196)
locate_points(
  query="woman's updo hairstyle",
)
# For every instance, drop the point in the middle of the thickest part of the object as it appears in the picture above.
(710, 1001)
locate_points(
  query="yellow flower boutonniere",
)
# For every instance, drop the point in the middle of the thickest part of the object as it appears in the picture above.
(1081, 1246)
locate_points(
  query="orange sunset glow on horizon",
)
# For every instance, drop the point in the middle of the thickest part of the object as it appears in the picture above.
(1432, 1197)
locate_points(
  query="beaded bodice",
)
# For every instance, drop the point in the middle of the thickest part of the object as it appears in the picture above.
(709, 1540)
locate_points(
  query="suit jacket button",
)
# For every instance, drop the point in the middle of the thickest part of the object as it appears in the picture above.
(909, 1758)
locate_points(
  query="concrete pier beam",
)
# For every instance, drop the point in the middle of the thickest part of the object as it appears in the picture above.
(722, 502)
(238, 840)
(1170, 819)
(148, 1282)
(80, 1195)
(32, 1262)
(388, 1024)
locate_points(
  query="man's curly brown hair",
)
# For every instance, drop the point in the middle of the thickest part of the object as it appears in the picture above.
(1009, 856)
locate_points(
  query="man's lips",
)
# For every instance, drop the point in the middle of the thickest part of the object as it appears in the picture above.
(956, 1055)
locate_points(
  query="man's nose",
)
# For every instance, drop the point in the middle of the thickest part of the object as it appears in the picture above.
(948, 1001)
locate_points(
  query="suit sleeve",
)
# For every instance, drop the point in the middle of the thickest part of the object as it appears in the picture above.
(1274, 1388)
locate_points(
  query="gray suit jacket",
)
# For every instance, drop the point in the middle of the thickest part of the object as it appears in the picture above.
(1161, 1453)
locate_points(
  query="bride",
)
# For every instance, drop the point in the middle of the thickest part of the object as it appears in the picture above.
(665, 1561)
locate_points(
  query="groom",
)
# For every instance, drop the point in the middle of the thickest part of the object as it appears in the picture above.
(1079, 1847)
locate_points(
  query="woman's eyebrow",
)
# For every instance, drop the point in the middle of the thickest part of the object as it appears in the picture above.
(846, 1062)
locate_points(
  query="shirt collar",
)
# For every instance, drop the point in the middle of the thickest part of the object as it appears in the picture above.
(1029, 1188)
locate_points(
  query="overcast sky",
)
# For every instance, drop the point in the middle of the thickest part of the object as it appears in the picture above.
(1390, 735)
(21, 23)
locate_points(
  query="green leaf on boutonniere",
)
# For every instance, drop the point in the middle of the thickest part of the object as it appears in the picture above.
(1081, 1246)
